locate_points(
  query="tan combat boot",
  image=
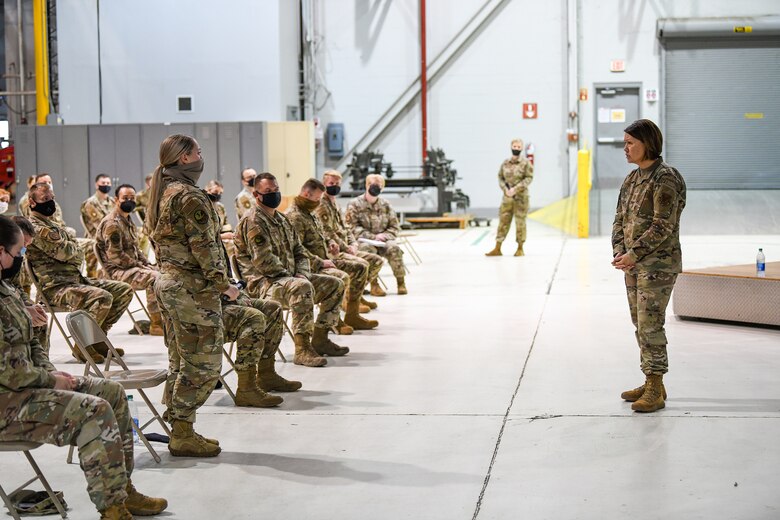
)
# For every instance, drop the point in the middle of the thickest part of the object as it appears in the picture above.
(355, 320)
(102, 349)
(186, 443)
(376, 289)
(653, 398)
(97, 358)
(249, 394)
(116, 512)
(322, 345)
(401, 286)
(369, 304)
(519, 251)
(496, 250)
(155, 326)
(344, 329)
(636, 393)
(269, 380)
(305, 354)
(141, 505)
(364, 309)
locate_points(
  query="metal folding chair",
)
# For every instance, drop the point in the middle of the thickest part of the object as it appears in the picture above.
(231, 368)
(135, 293)
(87, 332)
(25, 447)
(53, 320)
(403, 241)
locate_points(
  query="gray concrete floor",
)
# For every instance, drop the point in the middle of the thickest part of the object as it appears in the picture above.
(491, 391)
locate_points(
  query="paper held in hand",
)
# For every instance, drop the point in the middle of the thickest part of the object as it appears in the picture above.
(375, 243)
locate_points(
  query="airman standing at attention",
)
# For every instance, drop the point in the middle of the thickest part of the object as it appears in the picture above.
(275, 265)
(95, 208)
(121, 256)
(245, 200)
(514, 177)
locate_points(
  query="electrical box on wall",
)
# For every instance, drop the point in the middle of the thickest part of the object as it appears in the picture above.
(184, 104)
(335, 133)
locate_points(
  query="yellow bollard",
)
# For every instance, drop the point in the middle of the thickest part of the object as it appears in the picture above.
(583, 193)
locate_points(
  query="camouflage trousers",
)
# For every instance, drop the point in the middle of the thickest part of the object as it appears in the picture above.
(94, 417)
(87, 246)
(392, 252)
(104, 300)
(357, 269)
(375, 263)
(194, 336)
(301, 295)
(648, 296)
(512, 207)
(256, 327)
(140, 279)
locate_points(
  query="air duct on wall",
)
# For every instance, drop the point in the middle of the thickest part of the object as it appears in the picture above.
(743, 27)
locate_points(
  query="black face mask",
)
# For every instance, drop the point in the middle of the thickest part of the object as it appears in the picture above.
(333, 190)
(46, 209)
(516, 152)
(214, 197)
(10, 272)
(104, 189)
(272, 200)
(251, 182)
(127, 206)
(375, 190)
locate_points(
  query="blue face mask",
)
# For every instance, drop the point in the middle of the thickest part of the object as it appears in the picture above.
(22, 251)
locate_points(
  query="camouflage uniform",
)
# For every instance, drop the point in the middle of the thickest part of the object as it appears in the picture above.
(193, 278)
(41, 333)
(244, 202)
(93, 211)
(56, 259)
(141, 202)
(224, 227)
(336, 231)
(122, 259)
(367, 220)
(647, 229)
(515, 172)
(353, 272)
(271, 256)
(94, 416)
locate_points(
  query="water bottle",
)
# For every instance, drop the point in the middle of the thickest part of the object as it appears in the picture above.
(760, 263)
(133, 407)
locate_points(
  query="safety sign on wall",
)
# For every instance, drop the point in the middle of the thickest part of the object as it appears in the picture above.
(530, 111)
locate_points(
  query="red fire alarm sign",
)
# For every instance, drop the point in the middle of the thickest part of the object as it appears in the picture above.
(530, 111)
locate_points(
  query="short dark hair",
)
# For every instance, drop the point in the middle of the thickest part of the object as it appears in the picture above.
(102, 176)
(649, 134)
(265, 176)
(119, 188)
(313, 185)
(24, 224)
(35, 188)
(9, 232)
(43, 174)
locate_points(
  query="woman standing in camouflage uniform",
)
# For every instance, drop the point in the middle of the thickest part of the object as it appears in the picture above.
(646, 247)
(184, 231)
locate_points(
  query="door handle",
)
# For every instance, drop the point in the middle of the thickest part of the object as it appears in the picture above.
(609, 140)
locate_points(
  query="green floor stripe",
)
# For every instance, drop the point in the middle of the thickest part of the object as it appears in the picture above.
(479, 239)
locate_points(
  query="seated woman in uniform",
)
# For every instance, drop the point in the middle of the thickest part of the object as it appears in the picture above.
(44, 405)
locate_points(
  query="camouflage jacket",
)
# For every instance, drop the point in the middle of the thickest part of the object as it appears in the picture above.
(516, 172)
(267, 248)
(23, 361)
(54, 254)
(367, 220)
(141, 202)
(57, 217)
(23, 206)
(17, 283)
(333, 225)
(309, 230)
(244, 202)
(224, 227)
(117, 244)
(647, 219)
(186, 238)
(93, 210)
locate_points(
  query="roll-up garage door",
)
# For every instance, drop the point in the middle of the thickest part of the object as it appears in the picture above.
(722, 102)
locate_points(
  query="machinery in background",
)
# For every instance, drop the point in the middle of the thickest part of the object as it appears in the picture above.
(437, 172)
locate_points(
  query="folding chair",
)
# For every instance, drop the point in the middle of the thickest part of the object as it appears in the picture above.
(137, 297)
(403, 241)
(87, 332)
(229, 357)
(49, 307)
(25, 447)
(236, 270)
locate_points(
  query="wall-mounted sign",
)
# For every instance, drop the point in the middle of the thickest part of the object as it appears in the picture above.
(617, 66)
(651, 95)
(754, 115)
(617, 115)
(530, 111)
(743, 29)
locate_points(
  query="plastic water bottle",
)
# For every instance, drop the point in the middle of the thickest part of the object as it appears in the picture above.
(134, 417)
(760, 263)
